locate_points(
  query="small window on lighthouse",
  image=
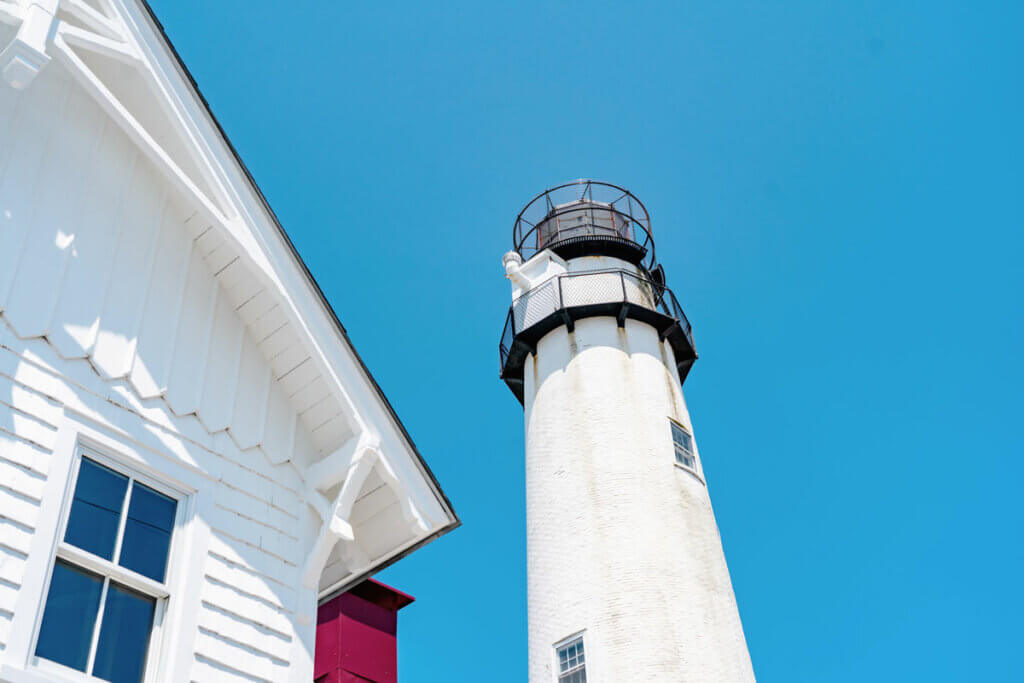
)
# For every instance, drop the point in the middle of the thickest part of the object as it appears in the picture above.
(683, 443)
(572, 667)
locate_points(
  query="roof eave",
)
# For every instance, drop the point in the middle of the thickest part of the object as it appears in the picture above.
(454, 520)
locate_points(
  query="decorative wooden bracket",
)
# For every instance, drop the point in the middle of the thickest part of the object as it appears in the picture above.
(38, 24)
(335, 526)
(23, 59)
(362, 455)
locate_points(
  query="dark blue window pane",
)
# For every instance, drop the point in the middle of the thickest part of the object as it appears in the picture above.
(124, 635)
(96, 509)
(70, 615)
(682, 438)
(147, 533)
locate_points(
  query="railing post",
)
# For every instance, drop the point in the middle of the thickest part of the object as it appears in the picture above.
(624, 309)
(570, 324)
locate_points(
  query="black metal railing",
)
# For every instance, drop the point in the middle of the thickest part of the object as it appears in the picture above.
(597, 290)
(585, 211)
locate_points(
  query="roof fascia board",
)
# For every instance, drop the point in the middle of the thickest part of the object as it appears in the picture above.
(290, 275)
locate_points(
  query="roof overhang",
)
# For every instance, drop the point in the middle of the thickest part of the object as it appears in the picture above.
(364, 443)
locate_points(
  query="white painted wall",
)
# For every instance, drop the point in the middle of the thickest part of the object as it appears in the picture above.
(235, 602)
(132, 321)
(101, 257)
(131, 235)
(621, 543)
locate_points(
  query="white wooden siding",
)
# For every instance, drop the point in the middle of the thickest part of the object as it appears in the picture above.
(247, 608)
(98, 257)
(144, 289)
(117, 311)
(246, 611)
(28, 428)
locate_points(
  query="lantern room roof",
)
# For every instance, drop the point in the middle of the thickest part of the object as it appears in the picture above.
(583, 218)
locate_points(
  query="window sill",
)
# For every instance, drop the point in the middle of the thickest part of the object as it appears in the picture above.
(44, 671)
(11, 674)
(692, 472)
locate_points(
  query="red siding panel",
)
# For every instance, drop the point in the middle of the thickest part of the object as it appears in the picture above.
(356, 635)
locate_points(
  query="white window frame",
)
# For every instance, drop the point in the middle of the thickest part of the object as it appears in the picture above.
(569, 640)
(170, 653)
(109, 570)
(696, 469)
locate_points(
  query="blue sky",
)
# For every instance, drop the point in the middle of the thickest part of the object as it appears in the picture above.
(835, 191)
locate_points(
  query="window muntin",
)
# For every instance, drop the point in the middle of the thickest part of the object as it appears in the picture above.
(124, 636)
(71, 607)
(107, 585)
(682, 441)
(572, 666)
(147, 532)
(95, 514)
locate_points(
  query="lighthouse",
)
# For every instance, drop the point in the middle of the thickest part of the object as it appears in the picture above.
(627, 579)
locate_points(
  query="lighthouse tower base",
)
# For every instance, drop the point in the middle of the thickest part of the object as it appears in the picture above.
(622, 543)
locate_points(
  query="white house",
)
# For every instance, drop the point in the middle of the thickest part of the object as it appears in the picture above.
(192, 454)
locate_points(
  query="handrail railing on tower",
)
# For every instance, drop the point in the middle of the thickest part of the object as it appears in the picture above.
(584, 210)
(563, 292)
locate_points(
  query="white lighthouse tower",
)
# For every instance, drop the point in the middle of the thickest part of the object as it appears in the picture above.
(627, 580)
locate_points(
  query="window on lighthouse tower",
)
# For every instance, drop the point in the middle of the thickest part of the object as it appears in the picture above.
(683, 443)
(572, 667)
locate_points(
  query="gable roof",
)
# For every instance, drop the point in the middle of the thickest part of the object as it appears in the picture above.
(119, 53)
(455, 521)
(339, 326)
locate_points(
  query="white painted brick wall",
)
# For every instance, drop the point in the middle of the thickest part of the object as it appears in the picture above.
(621, 543)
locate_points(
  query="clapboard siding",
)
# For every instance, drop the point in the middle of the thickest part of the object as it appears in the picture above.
(12, 570)
(5, 628)
(237, 500)
(228, 597)
(252, 632)
(26, 427)
(261, 560)
(15, 536)
(18, 507)
(240, 656)
(245, 527)
(12, 564)
(205, 670)
(27, 431)
(148, 300)
(266, 517)
(245, 623)
(15, 449)
(21, 479)
(101, 258)
(270, 582)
